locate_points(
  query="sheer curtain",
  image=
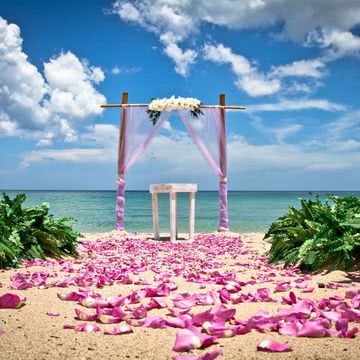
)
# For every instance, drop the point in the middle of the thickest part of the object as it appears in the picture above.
(209, 136)
(207, 132)
(139, 131)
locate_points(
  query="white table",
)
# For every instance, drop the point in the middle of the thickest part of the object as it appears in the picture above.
(173, 189)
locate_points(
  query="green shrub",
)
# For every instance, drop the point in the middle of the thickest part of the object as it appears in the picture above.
(32, 233)
(318, 234)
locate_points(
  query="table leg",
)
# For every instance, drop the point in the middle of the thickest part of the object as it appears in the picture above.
(155, 210)
(173, 222)
(192, 216)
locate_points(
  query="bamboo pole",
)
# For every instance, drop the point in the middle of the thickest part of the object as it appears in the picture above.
(222, 136)
(228, 107)
(121, 155)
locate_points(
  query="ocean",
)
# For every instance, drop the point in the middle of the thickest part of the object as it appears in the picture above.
(94, 211)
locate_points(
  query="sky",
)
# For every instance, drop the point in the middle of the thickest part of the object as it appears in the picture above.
(294, 65)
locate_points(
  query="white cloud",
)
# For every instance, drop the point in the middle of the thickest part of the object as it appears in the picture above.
(303, 68)
(73, 155)
(296, 87)
(330, 166)
(184, 17)
(286, 157)
(104, 135)
(46, 139)
(22, 87)
(183, 59)
(249, 79)
(117, 70)
(256, 83)
(281, 133)
(127, 11)
(167, 20)
(171, 156)
(100, 141)
(341, 135)
(337, 43)
(292, 105)
(174, 21)
(345, 126)
(44, 107)
(67, 131)
(223, 55)
(348, 145)
(7, 127)
(71, 87)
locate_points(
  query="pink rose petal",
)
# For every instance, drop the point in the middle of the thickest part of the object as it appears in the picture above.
(135, 322)
(191, 338)
(184, 304)
(72, 296)
(86, 327)
(272, 346)
(177, 322)
(68, 326)
(308, 290)
(223, 312)
(220, 331)
(52, 314)
(342, 328)
(199, 318)
(139, 313)
(93, 303)
(118, 313)
(282, 285)
(289, 329)
(355, 301)
(211, 355)
(186, 340)
(108, 319)
(155, 322)
(119, 330)
(82, 315)
(312, 329)
(116, 301)
(11, 301)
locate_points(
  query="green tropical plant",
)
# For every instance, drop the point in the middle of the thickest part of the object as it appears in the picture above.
(32, 233)
(318, 234)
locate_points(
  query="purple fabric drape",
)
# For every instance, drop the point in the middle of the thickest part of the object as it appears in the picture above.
(200, 144)
(224, 220)
(139, 131)
(120, 204)
(211, 131)
(206, 131)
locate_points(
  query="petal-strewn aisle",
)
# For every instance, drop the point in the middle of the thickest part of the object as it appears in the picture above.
(129, 297)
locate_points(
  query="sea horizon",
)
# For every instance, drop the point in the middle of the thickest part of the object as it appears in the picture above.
(249, 211)
(204, 190)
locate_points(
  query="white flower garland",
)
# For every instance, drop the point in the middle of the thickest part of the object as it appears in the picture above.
(174, 103)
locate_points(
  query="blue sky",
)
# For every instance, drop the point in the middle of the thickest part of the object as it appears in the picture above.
(295, 65)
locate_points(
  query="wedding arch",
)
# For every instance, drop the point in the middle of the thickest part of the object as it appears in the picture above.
(205, 124)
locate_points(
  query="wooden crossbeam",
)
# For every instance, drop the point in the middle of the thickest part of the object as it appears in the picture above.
(229, 107)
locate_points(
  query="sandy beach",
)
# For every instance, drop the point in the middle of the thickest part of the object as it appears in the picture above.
(30, 333)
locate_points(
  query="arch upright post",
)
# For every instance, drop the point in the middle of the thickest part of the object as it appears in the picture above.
(120, 193)
(224, 220)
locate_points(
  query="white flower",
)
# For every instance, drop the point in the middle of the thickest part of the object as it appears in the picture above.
(173, 103)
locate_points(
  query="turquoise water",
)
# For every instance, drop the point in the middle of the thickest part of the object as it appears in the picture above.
(95, 210)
